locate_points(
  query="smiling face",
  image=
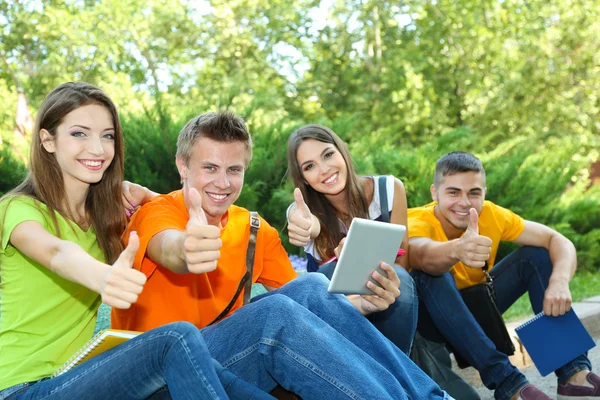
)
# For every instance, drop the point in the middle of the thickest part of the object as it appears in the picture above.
(456, 194)
(84, 145)
(323, 166)
(216, 169)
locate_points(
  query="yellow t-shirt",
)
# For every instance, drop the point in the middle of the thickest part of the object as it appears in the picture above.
(495, 222)
(44, 318)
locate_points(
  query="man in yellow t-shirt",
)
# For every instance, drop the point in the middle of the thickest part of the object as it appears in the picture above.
(453, 238)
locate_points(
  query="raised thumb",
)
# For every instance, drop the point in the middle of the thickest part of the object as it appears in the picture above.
(299, 200)
(473, 221)
(127, 257)
(195, 206)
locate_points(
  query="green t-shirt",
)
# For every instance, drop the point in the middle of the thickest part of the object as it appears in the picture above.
(44, 319)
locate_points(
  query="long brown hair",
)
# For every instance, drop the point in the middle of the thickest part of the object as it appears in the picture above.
(357, 206)
(44, 181)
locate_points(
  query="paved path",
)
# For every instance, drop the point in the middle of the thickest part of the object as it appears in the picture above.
(546, 384)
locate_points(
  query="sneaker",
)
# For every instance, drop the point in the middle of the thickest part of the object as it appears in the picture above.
(569, 391)
(530, 392)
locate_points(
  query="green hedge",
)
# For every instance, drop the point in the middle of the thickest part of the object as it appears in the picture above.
(541, 178)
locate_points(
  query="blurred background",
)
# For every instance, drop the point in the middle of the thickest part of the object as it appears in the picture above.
(515, 82)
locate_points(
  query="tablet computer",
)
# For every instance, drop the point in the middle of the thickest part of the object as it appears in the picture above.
(367, 244)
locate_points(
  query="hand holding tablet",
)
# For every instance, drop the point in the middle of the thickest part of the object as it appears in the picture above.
(368, 243)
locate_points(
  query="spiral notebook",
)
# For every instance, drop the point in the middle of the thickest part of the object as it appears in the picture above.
(554, 341)
(103, 341)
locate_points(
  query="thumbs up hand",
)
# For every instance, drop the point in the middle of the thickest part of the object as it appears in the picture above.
(472, 248)
(300, 221)
(122, 283)
(194, 207)
(202, 241)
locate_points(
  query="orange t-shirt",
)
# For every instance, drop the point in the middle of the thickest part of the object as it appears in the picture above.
(198, 298)
(495, 222)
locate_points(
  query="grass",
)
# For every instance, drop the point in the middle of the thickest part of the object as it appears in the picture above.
(584, 284)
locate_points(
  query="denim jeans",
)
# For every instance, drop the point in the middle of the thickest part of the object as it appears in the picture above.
(317, 345)
(399, 322)
(174, 355)
(142, 367)
(527, 269)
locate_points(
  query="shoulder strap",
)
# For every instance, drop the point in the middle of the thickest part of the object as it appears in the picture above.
(246, 282)
(383, 199)
(254, 226)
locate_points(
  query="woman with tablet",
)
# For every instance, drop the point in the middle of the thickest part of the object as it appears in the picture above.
(62, 255)
(328, 195)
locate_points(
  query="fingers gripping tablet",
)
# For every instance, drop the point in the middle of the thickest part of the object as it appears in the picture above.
(368, 243)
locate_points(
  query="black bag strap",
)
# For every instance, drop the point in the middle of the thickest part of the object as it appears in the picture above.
(246, 282)
(489, 282)
(383, 199)
(254, 225)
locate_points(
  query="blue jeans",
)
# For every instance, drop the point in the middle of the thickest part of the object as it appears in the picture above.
(316, 345)
(399, 322)
(173, 356)
(526, 270)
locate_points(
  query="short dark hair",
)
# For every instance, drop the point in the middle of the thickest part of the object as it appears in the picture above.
(221, 126)
(456, 162)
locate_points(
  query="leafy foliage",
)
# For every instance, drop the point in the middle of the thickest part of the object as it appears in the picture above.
(517, 83)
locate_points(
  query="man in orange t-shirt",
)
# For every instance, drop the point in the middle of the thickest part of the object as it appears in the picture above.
(193, 245)
(210, 241)
(451, 241)
(198, 298)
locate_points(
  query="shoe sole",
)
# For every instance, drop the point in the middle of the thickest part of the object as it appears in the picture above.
(563, 397)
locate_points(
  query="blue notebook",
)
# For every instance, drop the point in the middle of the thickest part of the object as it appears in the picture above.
(554, 341)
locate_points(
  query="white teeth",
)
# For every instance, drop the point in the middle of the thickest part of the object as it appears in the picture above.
(332, 178)
(462, 213)
(91, 163)
(217, 196)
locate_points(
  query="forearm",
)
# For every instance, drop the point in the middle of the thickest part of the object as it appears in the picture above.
(564, 258)
(149, 195)
(431, 257)
(167, 249)
(71, 262)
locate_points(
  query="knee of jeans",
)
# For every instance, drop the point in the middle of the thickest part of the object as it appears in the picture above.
(537, 255)
(279, 304)
(423, 280)
(312, 280)
(182, 328)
